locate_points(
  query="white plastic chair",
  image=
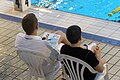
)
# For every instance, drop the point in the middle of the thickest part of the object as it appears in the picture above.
(34, 63)
(74, 73)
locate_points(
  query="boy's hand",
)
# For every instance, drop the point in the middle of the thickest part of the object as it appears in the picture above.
(97, 50)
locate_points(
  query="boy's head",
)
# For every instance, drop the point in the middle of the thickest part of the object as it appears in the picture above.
(29, 23)
(73, 34)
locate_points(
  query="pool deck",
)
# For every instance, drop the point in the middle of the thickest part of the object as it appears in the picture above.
(54, 20)
(12, 68)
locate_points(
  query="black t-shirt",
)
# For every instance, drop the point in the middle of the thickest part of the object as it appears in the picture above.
(83, 54)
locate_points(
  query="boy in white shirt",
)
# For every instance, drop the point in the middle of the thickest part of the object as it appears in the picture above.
(32, 42)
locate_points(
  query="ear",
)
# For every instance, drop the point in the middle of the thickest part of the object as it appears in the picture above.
(81, 37)
(36, 27)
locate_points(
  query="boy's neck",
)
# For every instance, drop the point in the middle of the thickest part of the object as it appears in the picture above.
(34, 33)
(76, 44)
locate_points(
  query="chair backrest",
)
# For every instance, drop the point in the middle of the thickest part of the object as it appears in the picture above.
(33, 61)
(75, 73)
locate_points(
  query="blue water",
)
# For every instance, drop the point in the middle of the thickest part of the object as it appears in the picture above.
(93, 8)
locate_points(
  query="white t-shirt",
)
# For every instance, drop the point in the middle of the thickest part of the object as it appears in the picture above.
(36, 44)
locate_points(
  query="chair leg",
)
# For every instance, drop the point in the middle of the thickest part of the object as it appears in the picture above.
(36, 78)
(29, 76)
(63, 72)
(65, 76)
(106, 77)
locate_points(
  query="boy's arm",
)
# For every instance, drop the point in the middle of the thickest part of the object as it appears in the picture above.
(100, 66)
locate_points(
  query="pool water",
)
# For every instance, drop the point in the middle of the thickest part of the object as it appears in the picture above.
(94, 8)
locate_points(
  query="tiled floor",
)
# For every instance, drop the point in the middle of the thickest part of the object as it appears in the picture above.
(12, 68)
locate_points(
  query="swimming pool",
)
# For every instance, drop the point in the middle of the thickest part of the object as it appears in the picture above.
(103, 9)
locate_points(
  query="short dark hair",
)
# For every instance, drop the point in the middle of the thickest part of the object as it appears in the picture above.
(29, 23)
(73, 34)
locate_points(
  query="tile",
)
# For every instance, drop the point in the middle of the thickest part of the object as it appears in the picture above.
(2, 56)
(110, 66)
(3, 68)
(91, 30)
(8, 25)
(115, 35)
(59, 74)
(110, 76)
(15, 79)
(6, 32)
(102, 54)
(113, 27)
(13, 61)
(118, 73)
(5, 48)
(13, 26)
(115, 78)
(12, 44)
(87, 42)
(19, 64)
(1, 64)
(8, 71)
(114, 60)
(2, 76)
(104, 33)
(108, 30)
(118, 54)
(22, 75)
(2, 39)
(16, 72)
(101, 45)
(114, 69)
(118, 63)
(11, 50)
(2, 30)
(99, 24)
(24, 67)
(13, 54)
(7, 78)
(8, 41)
(113, 51)
(6, 59)
(107, 57)
(107, 48)
(5, 24)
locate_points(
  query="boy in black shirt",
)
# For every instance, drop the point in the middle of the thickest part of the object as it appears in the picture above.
(92, 57)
